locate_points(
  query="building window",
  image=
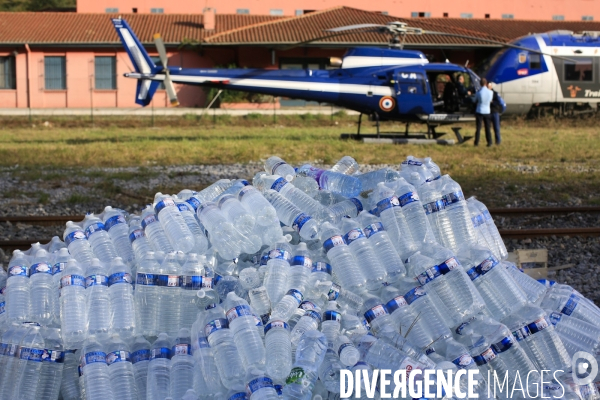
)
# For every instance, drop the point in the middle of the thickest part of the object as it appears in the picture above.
(420, 14)
(466, 15)
(55, 72)
(242, 11)
(558, 18)
(508, 16)
(105, 72)
(112, 10)
(276, 11)
(581, 71)
(157, 10)
(445, 15)
(587, 18)
(299, 12)
(487, 16)
(134, 10)
(7, 73)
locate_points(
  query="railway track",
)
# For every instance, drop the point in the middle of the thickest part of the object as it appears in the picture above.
(54, 220)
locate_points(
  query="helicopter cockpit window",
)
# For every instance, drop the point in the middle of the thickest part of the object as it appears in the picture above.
(580, 71)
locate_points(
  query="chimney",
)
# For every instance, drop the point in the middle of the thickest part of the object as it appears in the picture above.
(209, 18)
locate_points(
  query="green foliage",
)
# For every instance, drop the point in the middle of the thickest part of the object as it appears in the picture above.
(36, 5)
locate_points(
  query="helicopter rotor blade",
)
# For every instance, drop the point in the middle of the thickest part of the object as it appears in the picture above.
(170, 89)
(162, 51)
(352, 27)
(342, 33)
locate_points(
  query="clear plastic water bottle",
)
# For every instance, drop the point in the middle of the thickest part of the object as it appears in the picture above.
(255, 202)
(3, 319)
(59, 263)
(55, 245)
(69, 387)
(224, 237)
(292, 216)
(120, 368)
(576, 335)
(260, 302)
(346, 208)
(146, 295)
(346, 165)
(122, 304)
(207, 378)
(276, 166)
(73, 305)
(571, 303)
(259, 386)
(211, 192)
(394, 221)
(288, 304)
(159, 369)
(192, 280)
(77, 243)
(42, 290)
(169, 307)
(435, 209)
(370, 180)
(481, 232)
(347, 186)
(310, 354)
(307, 185)
(412, 165)
(300, 268)
(118, 230)
(329, 371)
(347, 299)
(29, 364)
(321, 272)
(189, 215)
(346, 350)
(458, 212)
(96, 377)
(501, 251)
(331, 324)
(11, 339)
(533, 289)
(154, 231)
(344, 264)
(278, 349)
(226, 354)
(18, 290)
(137, 237)
(364, 254)
(182, 364)
(309, 322)
(174, 225)
(278, 267)
(241, 322)
(97, 236)
(98, 300)
(140, 359)
(243, 220)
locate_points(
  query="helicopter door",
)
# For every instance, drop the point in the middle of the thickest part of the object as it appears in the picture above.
(412, 93)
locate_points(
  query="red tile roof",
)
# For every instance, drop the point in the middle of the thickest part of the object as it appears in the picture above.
(233, 29)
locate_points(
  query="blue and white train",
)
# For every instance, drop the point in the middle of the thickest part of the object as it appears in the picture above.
(530, 81)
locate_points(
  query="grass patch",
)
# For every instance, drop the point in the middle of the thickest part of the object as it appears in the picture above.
(43, 198)
(77, 198)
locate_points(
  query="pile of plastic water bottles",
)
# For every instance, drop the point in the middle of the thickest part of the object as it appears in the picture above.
(270, 288)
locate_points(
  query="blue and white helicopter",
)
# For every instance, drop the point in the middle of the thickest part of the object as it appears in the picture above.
(386, 84)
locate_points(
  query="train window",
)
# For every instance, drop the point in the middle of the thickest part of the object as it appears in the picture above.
(581, 70)
(535, 61)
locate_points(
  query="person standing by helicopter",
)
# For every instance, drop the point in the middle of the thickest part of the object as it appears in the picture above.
(497, 107)
(483, 99)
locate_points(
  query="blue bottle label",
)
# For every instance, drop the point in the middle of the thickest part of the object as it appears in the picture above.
(486, 215)
(2, 310)
(374, 211)
(238, 396)
(307, 305)
(120, 277)
(477, 220)
(224, 198)
(75, 235)
(94, 357)
(554, 318)
(58, 268)
(149, 219)
(29, 354)
(112, 221)
(372, 229)
(414, 294)
(353, 235)
(483, 268)
(140, 355)
(41, 268)
(195, 282)
(162, 352)
(408, 198)
(463, 361)
(331, 315)
(320, 266)
(167, 280)
(203, 342)
(245, 190)
(277, 165)
(384, 204)
(538, 325)
(412, 162)
(332, 242)
(279, 184)
(237, 311)
(278, 389)
(396, 303)
(53, 356)
(503, 345)
(302, 261)
(485, 357)
(118, 356)
(357, 203)
(194, 203)
(429, 275)
(184, 207)
(375, 312)
(299, 222)
(313, 314)
(145, 279)
(258, 384)
(434, 207)
(571, 304)
(72, 280)
(280, 254)
(343, 346)
(453, 197)
(11, 350)
(135, 235)
(521, 333)
(215, 325)
(334, 292)
(276, 324)
(94, 228)
(168, 202)
(18, 270)
(181, 349)
(94, 280)
(296, 295)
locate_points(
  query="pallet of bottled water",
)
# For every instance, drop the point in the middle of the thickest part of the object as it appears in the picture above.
(304, 283)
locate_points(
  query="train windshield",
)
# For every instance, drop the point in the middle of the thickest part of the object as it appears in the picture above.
(485, 66)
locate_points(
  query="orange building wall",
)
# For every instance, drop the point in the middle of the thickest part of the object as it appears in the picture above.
(572, 10)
